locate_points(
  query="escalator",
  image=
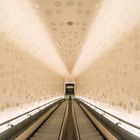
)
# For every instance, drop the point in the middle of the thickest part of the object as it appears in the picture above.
(69, 133)
(52, 127)
(65, 119)
(87, 130)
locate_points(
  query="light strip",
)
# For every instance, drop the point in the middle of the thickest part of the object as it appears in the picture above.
(99, 111)
(116, 121)
(4, 127)
(34, 112)
(20, 119)
(24, 117)
(130, 129)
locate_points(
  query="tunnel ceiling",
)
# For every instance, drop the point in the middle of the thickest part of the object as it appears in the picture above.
(67, 35)
(68, 22)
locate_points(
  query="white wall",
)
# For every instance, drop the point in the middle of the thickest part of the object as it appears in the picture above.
(112, 82)
(25, 82)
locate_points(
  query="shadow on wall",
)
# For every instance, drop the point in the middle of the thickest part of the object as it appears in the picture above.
(112, 82)
(25, 82)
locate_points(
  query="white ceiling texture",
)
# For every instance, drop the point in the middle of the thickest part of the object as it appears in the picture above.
(67, 35)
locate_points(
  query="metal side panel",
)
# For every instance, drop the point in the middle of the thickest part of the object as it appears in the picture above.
(27, 133)
(104, 131)
(50, 130)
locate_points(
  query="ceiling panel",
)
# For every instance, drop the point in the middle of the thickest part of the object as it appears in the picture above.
(68, 22)
(114, 21)
(67, 35)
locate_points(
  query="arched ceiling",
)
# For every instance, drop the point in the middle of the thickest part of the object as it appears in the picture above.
(67, 35)
(68, 22)
(114, 21)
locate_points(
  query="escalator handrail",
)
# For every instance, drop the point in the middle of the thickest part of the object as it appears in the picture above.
(116, 130)
(28, 112)
(16, 130)
(121, 120)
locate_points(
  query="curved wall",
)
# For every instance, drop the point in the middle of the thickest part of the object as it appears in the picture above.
(112, 82)
(25, 82)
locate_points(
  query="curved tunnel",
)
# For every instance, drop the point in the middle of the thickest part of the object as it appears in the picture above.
(93, 45)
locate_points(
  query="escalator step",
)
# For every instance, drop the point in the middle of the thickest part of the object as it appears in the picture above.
(46, 136)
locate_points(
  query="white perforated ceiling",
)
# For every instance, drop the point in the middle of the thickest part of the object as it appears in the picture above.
(68, 22)
(21, 22)
(114, 21)
(67, 35)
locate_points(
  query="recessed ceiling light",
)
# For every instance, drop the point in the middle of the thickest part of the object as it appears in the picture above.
(96, 5)
(69, 23)
(37, 6)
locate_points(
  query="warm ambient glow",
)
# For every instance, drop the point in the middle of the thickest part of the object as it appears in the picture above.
(21, 23)
(22, 27)
(27, 115)
(110, 25)
(12, 113)
(125, 126)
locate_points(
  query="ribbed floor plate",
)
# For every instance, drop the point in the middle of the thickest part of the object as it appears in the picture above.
(86, 128)
(51, 128)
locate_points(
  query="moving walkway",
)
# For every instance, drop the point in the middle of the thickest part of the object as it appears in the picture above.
(51, 128)
(87, 129)
(66, 120)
